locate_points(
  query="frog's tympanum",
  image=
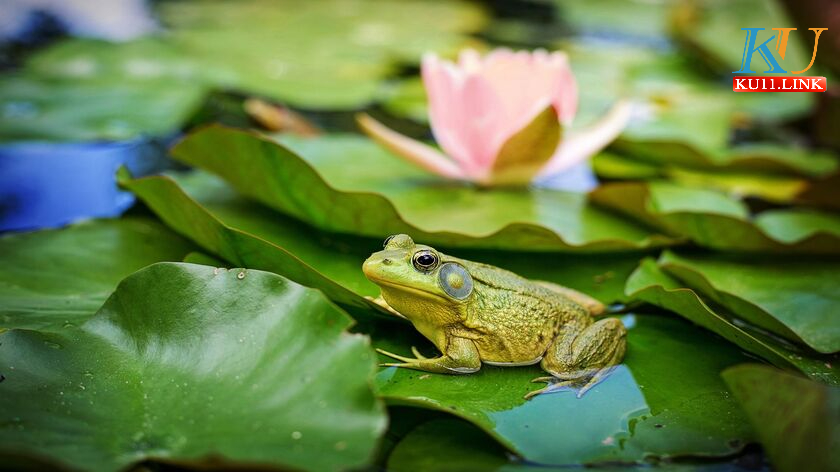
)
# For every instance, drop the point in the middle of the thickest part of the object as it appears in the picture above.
(476, 313)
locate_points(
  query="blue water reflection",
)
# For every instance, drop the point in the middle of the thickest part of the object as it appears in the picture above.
(44, 184)
(617, 400)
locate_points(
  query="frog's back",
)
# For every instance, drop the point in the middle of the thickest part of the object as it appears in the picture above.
(504, 281)
(517, 318)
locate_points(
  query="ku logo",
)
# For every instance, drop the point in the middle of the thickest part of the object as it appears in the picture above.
(781, 38)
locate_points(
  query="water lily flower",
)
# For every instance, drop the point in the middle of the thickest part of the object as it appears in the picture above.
(501, 119)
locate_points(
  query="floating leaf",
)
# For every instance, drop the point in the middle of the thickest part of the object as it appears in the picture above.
(247, 234)
(450, 445)
(405, 98)
(667, 400)
(325, 54)
(447, 445)
(185, 362)
(366, 191)
(36, 108)
(58, 278)
(793, 297)
(653, 285)
(629, 21)
(773, 173)
(241, 248)
(713, 220)
(797, 420)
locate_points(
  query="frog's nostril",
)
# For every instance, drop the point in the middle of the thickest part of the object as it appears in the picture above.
(386, 261)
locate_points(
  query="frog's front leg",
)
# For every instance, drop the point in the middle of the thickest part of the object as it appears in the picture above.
(460, 357)
(583, 356)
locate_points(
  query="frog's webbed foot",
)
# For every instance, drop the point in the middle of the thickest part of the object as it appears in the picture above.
(581, 381)
(595, 380)
(578, 380)
(461, 357)
(552, 386)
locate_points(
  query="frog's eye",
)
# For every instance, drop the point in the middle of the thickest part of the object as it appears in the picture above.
(425, 261)
(455, 280)
(388, 240)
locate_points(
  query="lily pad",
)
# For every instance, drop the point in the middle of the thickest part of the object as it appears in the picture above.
(793, 297)
(797, 420)
(185, 362)
(447, 445)
(37, 108)
(241, 248)
(666, 400)
(631, 21)
(348, 184)
(327, 54)
(651, 284)
(247, 234)
(405, 98)
(57, 279)
(712, 219)
(774, 173)
(450, 445)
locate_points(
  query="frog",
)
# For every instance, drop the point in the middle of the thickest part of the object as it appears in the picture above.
(476, 313)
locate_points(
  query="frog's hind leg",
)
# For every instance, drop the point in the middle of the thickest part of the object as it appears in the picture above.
(584, 357)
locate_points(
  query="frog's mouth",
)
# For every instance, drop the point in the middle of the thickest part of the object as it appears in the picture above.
(408, 289)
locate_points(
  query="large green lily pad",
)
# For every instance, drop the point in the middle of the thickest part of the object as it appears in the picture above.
(327, 54)
(747, 160)
(793, 297)
(774, 173)
(712, 219)
(653, 285)
(58, 278)
(451, 445)
(35, 108)
(349, 184)
(448, 445)
(666, 400)
(797, 420)
(185, 362)
(247, 234)
(246, 249)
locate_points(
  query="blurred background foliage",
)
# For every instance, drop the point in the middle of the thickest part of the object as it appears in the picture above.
(715, 226)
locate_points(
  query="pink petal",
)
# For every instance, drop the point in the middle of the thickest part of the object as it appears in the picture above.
(522, 78)
(412, 150)
(481, 128)
(585, 144)
(442, 83)
(477, 104)
(464, 111)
